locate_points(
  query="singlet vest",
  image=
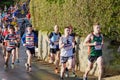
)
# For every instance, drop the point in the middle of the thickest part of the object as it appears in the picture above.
(96, 50)
(54, 38)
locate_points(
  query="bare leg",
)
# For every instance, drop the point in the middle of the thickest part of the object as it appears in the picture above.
(13, 55)
(56, 62)
(63, 66)
(52, 58)
(57, 59)
(100, 66)
(7, 58)
(90, 66)
(17, 53)
(29, 57)
(73, 64)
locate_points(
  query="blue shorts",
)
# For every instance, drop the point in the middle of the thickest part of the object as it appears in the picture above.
(65, 59)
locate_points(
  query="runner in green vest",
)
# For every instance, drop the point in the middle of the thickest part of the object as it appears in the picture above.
(95, 43)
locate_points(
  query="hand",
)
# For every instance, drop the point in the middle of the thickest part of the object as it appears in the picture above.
(11, 40)
(95, 43)
(52, 43)
(63, 44)
(24, 44)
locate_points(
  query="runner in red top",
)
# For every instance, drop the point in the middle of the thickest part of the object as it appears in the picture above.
(4, 33)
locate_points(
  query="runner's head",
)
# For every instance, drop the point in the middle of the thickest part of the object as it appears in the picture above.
(11, 29)
(66, 31)
(96, 28)
(29, 28)
(56, 28)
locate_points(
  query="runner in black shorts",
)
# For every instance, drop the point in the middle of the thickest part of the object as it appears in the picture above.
(17, 32)
(11, 41)
(95, 42)
(29, 39)
(53, 40)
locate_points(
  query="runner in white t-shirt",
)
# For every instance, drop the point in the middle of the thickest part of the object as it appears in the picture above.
(66, 45)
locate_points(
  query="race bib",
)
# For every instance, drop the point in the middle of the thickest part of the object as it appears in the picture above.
(98, 47)
(30, 43)
(11, 43)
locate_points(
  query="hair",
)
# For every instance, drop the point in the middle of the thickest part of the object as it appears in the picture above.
(95, 24)
(70, 26)
(56, 26)
(29, 25)
(11, 27)
(66, 27)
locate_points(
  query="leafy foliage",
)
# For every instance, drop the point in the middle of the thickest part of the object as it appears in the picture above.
(81, 14)
(7, 3)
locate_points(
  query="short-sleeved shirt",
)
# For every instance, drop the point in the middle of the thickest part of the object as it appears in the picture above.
(67, 42)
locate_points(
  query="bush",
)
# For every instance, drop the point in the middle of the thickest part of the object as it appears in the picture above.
(81, 14)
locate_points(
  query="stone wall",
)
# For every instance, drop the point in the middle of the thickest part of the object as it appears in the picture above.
(81, 53)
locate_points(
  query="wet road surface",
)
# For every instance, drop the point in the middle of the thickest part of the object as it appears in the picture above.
(40, 70)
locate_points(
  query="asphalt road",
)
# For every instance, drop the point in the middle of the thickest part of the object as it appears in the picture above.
(40, 70)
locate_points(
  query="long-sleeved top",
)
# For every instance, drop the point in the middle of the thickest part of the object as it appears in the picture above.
(29, 40)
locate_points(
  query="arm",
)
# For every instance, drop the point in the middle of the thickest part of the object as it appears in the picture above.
(35, 39)
(23, 39)
(49, 36)
(6, 38)
(87, 41)
(102, 40)
(61, 44)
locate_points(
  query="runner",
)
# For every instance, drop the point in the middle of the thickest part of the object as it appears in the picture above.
(1, 37)
(4, 33)
(66, 45)
(29, 39)
(10, 39)
(18, 43)
(95, 43)
(53, 40)
(74, 58)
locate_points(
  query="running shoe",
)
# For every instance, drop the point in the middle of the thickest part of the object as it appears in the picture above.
(30, 69)
(5, 67)
(27, 66)
(85, 78)
(73, 74)
(61, 78)
(66, 73)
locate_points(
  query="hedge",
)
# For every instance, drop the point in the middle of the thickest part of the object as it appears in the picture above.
(81, 14)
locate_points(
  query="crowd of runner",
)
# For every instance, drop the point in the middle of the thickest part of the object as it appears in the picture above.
(62, 47)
